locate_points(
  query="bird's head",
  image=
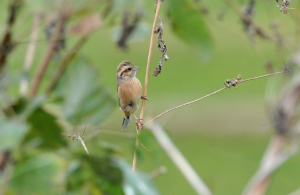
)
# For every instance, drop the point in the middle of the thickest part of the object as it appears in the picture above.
(126, 70)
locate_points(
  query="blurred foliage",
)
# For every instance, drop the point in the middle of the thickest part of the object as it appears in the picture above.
(37, 175)
(188, 24)
(12, 133)
(103, 176)
(33, 131)
(45, 129)
(84, 99)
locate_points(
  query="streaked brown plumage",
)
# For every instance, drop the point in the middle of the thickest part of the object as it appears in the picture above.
(129, 90)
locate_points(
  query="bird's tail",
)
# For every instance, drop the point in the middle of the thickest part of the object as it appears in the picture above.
(126, 122)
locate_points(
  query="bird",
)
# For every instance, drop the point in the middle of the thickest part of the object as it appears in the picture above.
(129, 90)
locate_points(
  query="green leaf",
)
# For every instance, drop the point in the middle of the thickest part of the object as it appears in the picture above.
(25, 107)
(188, 24)
(135, 182)
(12, 133)
(45, 129)
(36, 175)
(85, 100)
(98, 175)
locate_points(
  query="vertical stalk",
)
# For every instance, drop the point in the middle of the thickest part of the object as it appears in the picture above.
(139, 127)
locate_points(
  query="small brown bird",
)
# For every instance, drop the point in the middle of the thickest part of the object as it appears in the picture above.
(129, 90)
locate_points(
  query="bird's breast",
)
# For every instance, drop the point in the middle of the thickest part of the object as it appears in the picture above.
(130, 92)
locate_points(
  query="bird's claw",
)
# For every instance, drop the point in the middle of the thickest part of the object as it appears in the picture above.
(139, 122)
(143, 97)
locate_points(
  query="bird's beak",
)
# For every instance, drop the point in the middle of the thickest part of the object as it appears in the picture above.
(136, 68)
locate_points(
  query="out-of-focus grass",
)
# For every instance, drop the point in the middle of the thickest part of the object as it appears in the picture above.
(223, 137)
(225, 162)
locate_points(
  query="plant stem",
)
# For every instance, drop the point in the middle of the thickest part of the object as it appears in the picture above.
(259, 77)
(30, 55)
(139, 127)
(6, 44)
(48, 56)
(185, 104)
(179, 160)
(273, 158)
(83, 144)
(213, 93)
(63, 65)
(149, 57)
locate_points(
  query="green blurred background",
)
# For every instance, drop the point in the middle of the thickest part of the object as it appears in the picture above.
(223, 137)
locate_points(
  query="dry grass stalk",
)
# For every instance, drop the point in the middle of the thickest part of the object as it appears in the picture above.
(179, 160)
(139, 125)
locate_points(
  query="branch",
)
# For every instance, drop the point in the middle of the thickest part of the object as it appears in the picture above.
(247, 18)
(139, 126)
(185, 104)
(63, 65)
(285, 143)
(6, 44)
(273, 158)
(161, 170)
(297, 192)
(149, 58)
(48, 56)
(83, 144)
(179, 160)
(80, 139)
(30, 55)
(228, 84)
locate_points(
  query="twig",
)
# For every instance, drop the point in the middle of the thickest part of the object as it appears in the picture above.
(179, 160)
(273, 158)
(139, 126)
(284, 145)
(6, 44)
(267, 75)
(5, 157)
(185, 104)
(229, 83)
(83, 144)
(247, 18)
(30, 55)
(80, 139)
(297, 192)
(65, 62)
(48, 56)
(158, 172)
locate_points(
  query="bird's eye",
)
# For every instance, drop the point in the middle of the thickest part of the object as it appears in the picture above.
(129, 69)
(124, 64)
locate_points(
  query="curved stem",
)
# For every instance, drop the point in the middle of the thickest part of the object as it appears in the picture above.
(286, 70)
(185, 104)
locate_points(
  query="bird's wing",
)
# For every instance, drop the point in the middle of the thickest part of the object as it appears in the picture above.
(118, 96)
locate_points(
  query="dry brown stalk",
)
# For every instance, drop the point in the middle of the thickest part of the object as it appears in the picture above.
(63, 65)
(149, 58)
(6, 44)
(284, 144)
(139, 126)
(30, 54)
(80, 139)
(48, 56)
(179, 160)
(247, 18)
(229, 83)
(161, 170)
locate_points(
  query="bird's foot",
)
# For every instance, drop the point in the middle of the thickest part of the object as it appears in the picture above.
(143, 97)
(139, 123)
